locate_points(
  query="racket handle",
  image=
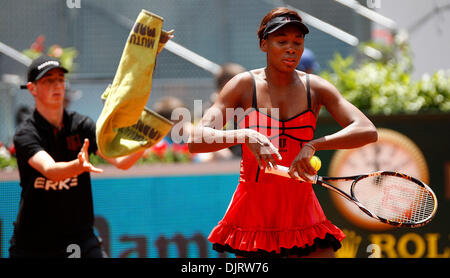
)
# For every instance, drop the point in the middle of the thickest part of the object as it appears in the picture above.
(283, 171)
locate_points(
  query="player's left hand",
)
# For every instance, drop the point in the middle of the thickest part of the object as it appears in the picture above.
(301, 166)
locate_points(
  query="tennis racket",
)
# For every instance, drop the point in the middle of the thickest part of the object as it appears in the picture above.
(390, 197)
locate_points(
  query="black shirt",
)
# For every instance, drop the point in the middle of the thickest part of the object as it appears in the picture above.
(53, 214)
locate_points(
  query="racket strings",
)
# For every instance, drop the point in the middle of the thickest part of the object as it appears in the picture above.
(395, 198)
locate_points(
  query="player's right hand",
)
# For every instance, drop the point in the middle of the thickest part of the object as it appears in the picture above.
(264, 151)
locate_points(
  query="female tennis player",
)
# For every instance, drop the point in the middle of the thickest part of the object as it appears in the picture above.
(271, 215)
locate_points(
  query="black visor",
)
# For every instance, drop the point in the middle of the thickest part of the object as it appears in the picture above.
(280, 21)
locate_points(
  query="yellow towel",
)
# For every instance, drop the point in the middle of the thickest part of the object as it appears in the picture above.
(125, 125)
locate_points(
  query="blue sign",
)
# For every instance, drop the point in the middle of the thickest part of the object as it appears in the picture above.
(149, 217)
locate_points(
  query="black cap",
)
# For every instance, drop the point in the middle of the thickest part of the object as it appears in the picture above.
(280, 21)
(40, 66)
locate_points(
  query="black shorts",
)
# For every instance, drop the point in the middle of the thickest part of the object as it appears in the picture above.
(88, 248)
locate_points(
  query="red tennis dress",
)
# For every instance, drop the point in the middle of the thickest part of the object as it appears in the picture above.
(273, 215)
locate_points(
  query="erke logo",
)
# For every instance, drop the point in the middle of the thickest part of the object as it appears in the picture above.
(73, 4)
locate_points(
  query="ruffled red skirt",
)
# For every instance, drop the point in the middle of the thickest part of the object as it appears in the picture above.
(274, 219)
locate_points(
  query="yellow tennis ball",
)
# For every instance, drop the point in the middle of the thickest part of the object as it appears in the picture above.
(315, 162)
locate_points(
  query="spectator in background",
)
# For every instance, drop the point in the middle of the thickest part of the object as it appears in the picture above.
(165, 107)
(227, 71)
(308, 62)
(173, 143)
(22, 113)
